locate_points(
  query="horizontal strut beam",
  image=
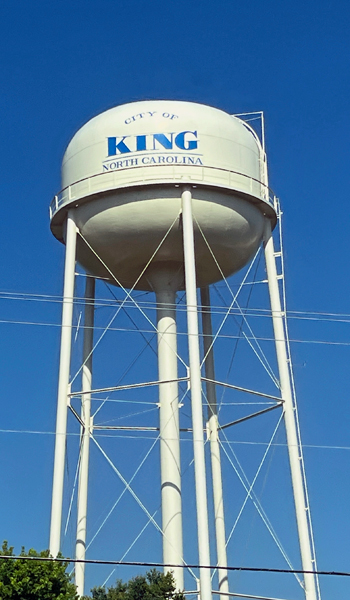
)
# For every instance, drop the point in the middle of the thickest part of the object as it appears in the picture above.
(145, 428)
(154, 383)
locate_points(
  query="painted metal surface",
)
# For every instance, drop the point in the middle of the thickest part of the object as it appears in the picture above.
(82, 500)
(196, 398)
(169, 433)
(215, 454)
(178, 183)
(122, 172)
(289, 412)
(159, 133)
(63, 386)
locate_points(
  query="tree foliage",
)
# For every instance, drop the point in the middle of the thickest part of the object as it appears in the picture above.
(48, 580)
(34, 580)
(154, 585)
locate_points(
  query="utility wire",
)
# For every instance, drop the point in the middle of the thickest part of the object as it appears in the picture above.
(184, 439)
(169, 565)
(291, 314)
(221, 336)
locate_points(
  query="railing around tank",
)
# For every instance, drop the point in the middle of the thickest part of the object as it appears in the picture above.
(125, 177)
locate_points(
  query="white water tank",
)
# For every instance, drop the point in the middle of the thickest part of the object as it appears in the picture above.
(123, 174)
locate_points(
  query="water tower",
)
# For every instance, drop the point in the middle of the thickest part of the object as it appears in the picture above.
(165, 196)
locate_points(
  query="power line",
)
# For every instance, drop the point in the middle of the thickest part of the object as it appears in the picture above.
(221, 336)
(125, 435)
(256, 312)
(128, 563)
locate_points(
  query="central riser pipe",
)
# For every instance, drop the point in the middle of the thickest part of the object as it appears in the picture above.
(169, 434)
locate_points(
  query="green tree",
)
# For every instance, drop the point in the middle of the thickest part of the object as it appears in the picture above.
(154, 585)
(34, 580)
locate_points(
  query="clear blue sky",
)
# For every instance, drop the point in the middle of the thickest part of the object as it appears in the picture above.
(63, 62)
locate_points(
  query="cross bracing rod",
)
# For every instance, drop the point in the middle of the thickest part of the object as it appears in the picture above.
(125, 387)
(250, 493)
(136, 428)
(124, 428)
(241, 389)
(184, 429)
(256, 414)
(127, 292)
(180, 379)
(77, 416)
(235, 595)
(128, 488)
(258, 350)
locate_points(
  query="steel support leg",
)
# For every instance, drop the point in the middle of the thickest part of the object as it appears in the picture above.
(214, 444)
(80, 547)
(196, 395)
(295, 458)
(63, 383)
